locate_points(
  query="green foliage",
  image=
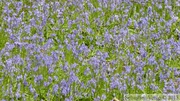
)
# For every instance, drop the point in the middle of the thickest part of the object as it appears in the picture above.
(99, 30)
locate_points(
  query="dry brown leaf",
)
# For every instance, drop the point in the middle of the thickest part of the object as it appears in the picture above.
(115, 99)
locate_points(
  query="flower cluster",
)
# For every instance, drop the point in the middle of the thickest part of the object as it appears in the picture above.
(88, 49)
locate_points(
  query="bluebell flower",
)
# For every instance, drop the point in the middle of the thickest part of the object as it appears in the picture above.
(89, 30)
(9, 62)
(128, 69)
(38, 79)
(97, 99)
(103, 97)
(95, 62)
(51, 69)
(141, 87)
(154, 87)
(48, 60)
(65, 89)
(84, 48)
(129, 22)
(33, 21)
(114, 83)
(178, 49)
(176, 72)
(93, 91)
(152, 60)
(93, 82)
(150, 10)
(74, 65)
(9, 46)
(35, 95)
(104, 56)
(170, 86)
(143, 52)
(25, 83)
(65, 67)
(32, 90)
(18, 95)
(68, 99)
(107, 37)
(17, 60)
(46, 84)
(55, 88)
(87, 71)
(139, 79)
(36, 69)
(122, 87)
